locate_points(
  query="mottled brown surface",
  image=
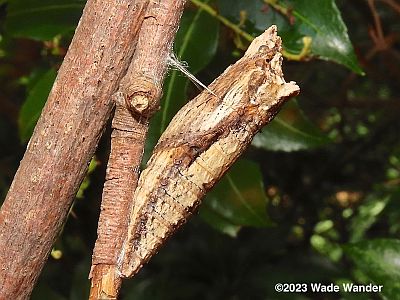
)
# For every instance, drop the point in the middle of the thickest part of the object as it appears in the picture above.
(64, 140)
(201, 143)
(127, 142)
(137, 99)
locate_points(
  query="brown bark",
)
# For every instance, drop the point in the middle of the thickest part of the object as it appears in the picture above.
(127, 140)
(137, 99)
(200, 144)
(64, 140)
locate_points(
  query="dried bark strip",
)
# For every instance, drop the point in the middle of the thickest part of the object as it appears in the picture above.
(136, 100)
(64, 140)
(201, 143)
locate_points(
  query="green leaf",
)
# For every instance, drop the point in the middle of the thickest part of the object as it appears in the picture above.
(31, 109)
(368, 214)
(218, 221)
(42, 19)
(326, 247)
(321, 19)
(237, 200)
(379, 260)
(196, 43)
(290, 131)
(257, 17)
(392, 211)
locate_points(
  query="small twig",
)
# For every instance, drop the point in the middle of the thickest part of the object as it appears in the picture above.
(208, 9)
(393, 4)
(136, 101)
(127, 143)
(377, 35)
(286, 12)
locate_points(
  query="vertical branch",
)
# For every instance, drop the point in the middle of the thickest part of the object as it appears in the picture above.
(64, 140)
(127, 140)
(136, 101)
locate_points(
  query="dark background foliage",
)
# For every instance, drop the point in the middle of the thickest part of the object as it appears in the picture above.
(316, 197)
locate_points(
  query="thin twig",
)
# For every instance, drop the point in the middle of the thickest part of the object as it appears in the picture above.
(393, 4)
(136, 101)
(208, 9)
(377, 35)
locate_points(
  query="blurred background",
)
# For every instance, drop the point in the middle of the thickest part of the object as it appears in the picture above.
(314, 199)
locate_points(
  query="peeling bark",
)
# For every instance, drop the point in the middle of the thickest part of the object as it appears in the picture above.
(136, 100)
(64, 140)
(202, 141)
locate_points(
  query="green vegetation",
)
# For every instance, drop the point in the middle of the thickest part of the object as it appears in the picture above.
(314, 200)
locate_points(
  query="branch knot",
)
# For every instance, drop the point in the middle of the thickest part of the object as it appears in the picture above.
(141, 97)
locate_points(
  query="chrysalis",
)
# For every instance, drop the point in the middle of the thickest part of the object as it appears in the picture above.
(201, 142)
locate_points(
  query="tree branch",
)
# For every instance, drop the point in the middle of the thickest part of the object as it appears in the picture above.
(137, 99)
(64, 140)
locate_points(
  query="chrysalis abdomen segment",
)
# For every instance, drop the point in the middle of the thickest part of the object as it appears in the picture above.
(177, 193)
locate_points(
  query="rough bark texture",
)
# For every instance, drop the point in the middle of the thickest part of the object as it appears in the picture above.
(64, 140)
(127, 143)
(201, 143)
(137, 99)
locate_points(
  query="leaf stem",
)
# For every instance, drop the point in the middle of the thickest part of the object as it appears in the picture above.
(304, 52)
(279, 8)
(288, 12)
(207, 8)
(248, 37)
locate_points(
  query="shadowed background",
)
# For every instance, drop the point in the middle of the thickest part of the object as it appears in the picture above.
(315, 199)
